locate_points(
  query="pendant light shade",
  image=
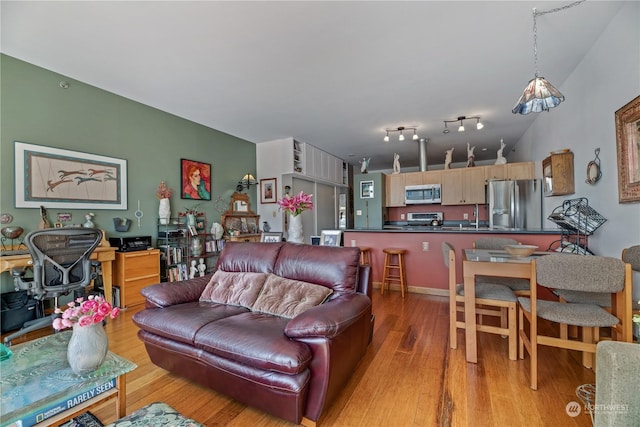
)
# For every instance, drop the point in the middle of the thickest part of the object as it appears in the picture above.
(539, 95)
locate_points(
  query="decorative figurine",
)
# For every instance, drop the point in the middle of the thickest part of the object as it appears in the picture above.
(470, 157)
(202, 267)
(364, 164)
(501, 160)
(192, 269)
(266, 227)
(447, 158)
(396, 163)
(89, 223)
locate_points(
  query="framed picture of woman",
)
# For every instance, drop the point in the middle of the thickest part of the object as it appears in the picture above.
(195, 180)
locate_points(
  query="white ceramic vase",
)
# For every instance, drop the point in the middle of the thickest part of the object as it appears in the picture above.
(164, 211)
(295, 229)
(87, 348)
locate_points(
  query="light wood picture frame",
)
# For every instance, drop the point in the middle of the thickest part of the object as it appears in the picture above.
(268, 190)
(66, 179)
(628, 149)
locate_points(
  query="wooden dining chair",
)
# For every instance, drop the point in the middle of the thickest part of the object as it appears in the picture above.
(491, 299)
(519, 286)
(581, 273)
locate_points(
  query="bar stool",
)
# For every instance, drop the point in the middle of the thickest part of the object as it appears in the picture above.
(394, 260)
(365, 255)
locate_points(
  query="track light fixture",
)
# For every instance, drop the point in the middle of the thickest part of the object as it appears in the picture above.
(401, 129)
(461, 119)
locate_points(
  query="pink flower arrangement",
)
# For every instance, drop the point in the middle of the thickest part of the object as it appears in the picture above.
(297, 204)
(164, 192)
(84, 312)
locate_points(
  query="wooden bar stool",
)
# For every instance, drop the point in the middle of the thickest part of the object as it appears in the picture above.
(394, 270)
(365, 255)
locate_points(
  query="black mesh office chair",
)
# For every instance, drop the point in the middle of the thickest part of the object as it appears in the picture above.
(61, 265)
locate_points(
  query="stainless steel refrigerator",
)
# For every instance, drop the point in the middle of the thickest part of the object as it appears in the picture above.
(515, 204)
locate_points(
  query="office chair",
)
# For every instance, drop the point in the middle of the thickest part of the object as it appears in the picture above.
(61, 265)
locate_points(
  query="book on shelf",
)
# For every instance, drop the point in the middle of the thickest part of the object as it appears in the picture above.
(56, 408)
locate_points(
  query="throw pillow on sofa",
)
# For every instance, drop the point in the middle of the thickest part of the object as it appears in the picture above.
(288, 298)
(234, 288)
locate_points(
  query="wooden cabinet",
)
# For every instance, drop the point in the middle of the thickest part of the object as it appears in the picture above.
(432, 177)
(240, 223)
(132, 271)
(244, 238)
(557, 174)
(464, 186)
(395, 190)
(521, 170)
(495, 172)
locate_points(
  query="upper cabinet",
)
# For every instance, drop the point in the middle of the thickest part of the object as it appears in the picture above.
(395, 190)
(557, 174)
(288, 156)
(463, 186)
(521, 170)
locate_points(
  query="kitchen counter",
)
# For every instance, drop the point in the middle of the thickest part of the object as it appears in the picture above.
(454, 229)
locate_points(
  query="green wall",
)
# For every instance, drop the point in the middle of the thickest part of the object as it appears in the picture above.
(34, 109)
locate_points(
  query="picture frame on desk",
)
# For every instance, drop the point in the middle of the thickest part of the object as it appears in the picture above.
(331, 238)
(271, 237)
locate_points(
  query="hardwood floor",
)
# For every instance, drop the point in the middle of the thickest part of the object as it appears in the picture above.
(409, 377)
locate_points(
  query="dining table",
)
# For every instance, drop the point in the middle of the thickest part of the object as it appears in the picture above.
(488, 262)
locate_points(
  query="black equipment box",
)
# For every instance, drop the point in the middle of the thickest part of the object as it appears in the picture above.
(131, 244)
(17, 308)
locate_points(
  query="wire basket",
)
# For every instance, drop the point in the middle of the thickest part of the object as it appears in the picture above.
(577, 216)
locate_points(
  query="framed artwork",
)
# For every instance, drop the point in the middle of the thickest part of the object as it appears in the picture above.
(270, 237)
(628, 149)
(331, 238)
(268, 190)
(366, 189)
(58, 178)
(315, 240)
(195, 180)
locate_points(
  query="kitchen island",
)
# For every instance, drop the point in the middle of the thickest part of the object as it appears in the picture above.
(426, 272)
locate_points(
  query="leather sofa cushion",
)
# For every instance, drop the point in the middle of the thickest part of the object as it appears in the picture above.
(288, 298)
(256, 340)
(240, 289)
(181, 322)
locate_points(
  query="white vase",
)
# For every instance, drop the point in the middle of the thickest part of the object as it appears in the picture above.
(164, 211)
(295, 229)
(87, 348)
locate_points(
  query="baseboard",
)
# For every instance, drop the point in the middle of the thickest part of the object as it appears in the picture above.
(417, 290)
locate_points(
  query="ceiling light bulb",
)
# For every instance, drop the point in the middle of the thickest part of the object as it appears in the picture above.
(446, 129)
(401, 137)
(461, 128)
(386, 138)
(415, 135)
(479, 125)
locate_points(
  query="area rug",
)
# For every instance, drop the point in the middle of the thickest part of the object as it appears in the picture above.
(86, 419)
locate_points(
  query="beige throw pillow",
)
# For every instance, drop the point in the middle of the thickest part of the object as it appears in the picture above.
(288, 298)
(234, 288)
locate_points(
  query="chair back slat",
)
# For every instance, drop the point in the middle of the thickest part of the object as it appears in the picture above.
(581, 273)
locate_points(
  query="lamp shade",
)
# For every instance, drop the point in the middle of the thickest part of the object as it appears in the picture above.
(539, 95)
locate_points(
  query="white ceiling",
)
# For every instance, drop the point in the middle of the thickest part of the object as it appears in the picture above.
(334, 74)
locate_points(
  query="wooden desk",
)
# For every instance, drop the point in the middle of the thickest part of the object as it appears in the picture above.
(486, 262)
(104, 254)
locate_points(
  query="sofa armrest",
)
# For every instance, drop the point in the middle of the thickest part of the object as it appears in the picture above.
(172, 293)
(329, 319)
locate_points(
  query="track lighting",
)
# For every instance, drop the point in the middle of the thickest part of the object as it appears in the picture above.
(401, 136)
(461, 119)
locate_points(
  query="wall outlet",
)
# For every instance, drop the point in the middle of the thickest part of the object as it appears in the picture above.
(359, 212)
(402, 216)
(274, 214)
(425, 246)
(465, 216)
(353, 243)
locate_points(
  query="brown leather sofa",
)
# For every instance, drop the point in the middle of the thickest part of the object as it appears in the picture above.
(290, 368)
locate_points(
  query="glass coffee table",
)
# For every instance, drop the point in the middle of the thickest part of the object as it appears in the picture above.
(38, 386)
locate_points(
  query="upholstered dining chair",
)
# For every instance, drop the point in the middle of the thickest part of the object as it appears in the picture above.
(631, 256)
(491, 299)
(581, 273)
(519, 286)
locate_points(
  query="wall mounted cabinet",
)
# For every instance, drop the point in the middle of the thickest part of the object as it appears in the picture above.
(464, 186)
(394, 196)
(557, 174)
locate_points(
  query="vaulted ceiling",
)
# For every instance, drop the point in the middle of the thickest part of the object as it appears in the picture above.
(334, 74)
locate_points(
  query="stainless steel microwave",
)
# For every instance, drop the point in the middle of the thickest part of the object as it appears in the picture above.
(422, 194)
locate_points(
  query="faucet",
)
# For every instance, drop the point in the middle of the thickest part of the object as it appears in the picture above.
(475, 222)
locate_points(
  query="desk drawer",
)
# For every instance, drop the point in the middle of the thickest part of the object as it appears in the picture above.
(133, 271)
